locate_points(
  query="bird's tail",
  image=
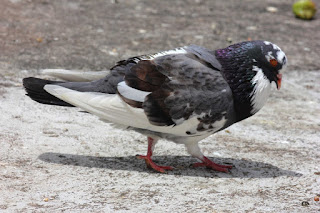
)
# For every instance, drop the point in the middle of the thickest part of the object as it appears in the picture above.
(35, 90)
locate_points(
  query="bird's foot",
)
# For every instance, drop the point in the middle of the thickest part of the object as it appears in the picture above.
(211, 165)
(152, 165)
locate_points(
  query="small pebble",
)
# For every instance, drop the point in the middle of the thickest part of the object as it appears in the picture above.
(45, 199)
(100, 30)
(198, 37)
(229, 39)
(135, 43)
(251, 28)
(316, 198)
(305, 203)
(272, 9)
(113, 52)
(165, 25)
(213, 26)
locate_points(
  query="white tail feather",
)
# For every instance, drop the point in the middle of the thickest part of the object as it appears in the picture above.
(75, 75)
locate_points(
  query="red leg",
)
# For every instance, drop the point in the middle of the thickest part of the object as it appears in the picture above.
(210, 164)
(149, 162)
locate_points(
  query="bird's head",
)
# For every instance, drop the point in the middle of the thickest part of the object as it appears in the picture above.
(269, 58)
(250, 67)
(254, 55)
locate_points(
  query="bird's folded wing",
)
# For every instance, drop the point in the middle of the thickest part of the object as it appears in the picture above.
(111, 107)
(174, 88)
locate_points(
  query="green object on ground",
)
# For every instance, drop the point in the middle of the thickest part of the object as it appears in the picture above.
(304, 9)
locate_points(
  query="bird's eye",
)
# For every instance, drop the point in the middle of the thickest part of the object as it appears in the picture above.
(273, 62)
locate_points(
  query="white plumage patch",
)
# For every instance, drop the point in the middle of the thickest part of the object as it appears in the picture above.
(179, 50)
(131, 93)
(219, 124)
(110, 107)
(273, 45)
(280, 56)
(261, 90)
(269, 56)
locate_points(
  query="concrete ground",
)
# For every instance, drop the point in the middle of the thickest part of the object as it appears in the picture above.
(55, 159)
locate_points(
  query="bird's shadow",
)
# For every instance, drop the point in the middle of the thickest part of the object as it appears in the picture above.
(241, 168)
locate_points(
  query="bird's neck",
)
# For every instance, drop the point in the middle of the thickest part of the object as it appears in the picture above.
(248, 84)
(261, 90)
(249, 93)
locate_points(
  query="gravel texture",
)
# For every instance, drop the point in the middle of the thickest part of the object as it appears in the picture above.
(55, 159)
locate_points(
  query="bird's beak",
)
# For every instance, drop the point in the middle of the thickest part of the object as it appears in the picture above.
(279, 78)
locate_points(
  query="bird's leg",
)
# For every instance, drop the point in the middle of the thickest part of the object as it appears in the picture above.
(150, 164)
(194, 150)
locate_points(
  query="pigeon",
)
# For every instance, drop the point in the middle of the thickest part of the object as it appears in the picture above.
(181, 95)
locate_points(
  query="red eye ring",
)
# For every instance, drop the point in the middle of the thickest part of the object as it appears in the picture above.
(273, 62)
